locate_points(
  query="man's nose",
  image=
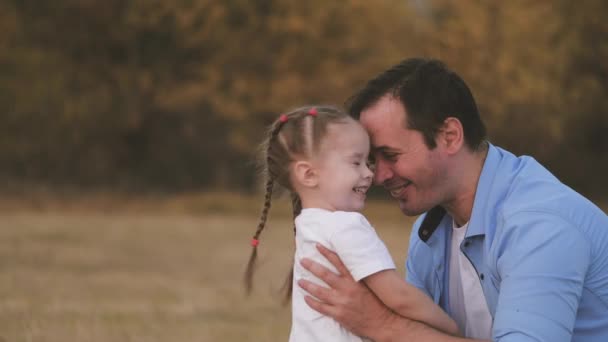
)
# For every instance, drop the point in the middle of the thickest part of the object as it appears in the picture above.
(382, 172)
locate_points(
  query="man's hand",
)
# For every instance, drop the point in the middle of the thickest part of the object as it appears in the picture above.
(350, 303)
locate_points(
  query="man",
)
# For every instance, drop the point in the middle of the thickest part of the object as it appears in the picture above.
(506, 249)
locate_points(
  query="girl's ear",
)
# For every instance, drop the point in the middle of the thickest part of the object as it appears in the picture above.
(305, 174)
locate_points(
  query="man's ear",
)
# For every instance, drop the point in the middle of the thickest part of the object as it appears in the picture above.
(451, 135)
(305, 174)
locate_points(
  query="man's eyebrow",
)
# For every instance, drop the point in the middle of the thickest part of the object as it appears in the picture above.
(382, 149)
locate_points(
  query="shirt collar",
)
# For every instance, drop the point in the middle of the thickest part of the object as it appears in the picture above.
(483, 203)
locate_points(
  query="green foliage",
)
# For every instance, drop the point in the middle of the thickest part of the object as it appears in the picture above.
(175, 95)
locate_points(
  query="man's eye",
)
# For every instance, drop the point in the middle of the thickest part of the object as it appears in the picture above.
(371, 163)
(390, 156)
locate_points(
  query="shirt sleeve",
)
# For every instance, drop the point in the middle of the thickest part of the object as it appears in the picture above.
(542, 267)
(359, 247)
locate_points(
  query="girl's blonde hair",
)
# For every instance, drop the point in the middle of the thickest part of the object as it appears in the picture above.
(293, 136)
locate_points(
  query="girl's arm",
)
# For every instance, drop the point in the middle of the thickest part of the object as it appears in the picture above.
(408, 301)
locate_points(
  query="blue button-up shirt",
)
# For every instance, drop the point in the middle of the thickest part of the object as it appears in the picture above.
(539, 248)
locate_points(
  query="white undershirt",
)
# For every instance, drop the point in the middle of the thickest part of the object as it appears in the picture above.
(467, 303)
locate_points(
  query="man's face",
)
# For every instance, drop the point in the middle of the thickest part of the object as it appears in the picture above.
(413, 174)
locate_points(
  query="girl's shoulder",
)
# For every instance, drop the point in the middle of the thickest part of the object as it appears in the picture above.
(337, 219)
(349, 216)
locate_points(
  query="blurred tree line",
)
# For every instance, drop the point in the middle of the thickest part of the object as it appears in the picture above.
(175, 95)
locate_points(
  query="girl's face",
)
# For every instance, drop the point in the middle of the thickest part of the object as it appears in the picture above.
(344, 176)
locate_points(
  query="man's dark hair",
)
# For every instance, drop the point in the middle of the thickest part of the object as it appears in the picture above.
(430, 93)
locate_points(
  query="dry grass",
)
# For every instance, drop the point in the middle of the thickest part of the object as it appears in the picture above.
(159, 269)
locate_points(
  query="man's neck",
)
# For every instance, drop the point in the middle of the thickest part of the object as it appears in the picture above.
(460, 206)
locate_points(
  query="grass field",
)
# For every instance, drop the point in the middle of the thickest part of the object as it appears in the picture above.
(107, 269)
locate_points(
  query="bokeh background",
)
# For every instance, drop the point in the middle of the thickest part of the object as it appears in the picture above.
(128, 133)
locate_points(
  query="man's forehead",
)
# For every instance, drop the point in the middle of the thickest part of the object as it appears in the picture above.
(386, 106)
(386, 136)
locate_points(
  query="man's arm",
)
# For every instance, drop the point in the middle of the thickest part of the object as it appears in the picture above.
(542, 262)
(354, 306)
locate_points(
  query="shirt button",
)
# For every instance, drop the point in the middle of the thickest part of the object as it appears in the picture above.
(481, 276)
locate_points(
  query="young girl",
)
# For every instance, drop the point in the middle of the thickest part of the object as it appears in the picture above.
(320, 154)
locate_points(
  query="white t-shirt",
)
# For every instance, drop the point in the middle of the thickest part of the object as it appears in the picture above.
(467, 302)
(352, 237)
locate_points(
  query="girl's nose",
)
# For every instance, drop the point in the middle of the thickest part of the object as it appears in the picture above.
(368, 172)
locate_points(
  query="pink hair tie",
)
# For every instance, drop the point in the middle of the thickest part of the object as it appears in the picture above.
(283, 118)
(255, 242)
(313, 111)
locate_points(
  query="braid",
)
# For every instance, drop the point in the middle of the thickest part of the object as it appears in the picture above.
(264, 215)
(261, 225)
(296, 204)
(265, 208)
